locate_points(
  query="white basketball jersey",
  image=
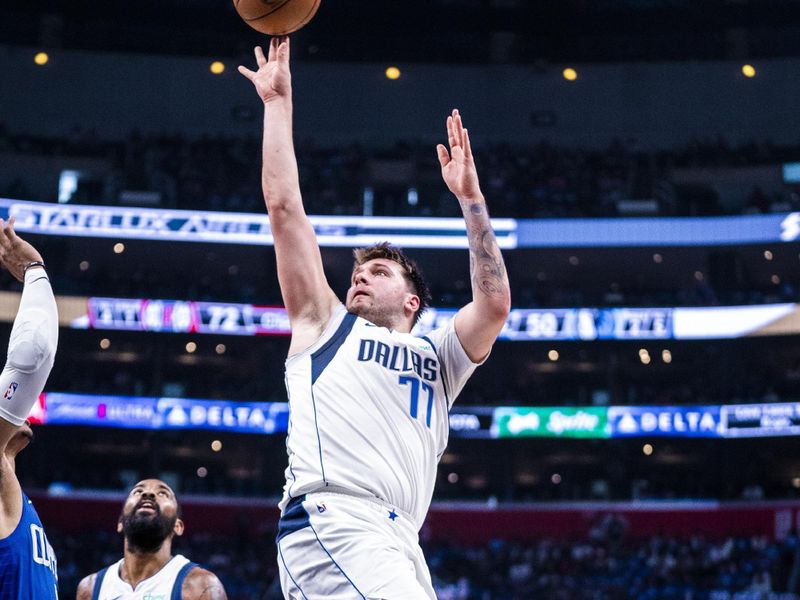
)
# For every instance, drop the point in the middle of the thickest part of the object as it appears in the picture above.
(369, 411)
(158, 587)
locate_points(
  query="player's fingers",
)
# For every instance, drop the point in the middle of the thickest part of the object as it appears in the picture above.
(458, 126)
(9, 232)
(467, 144)
(273, 48)
(247, 72)
(451, 134)
(284, 49)
(260, 58)
(444, 156)
(5, 238)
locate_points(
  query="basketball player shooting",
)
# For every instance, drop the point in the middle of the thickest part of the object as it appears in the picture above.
(369, 401)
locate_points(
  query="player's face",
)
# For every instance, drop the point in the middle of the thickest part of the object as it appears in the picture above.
(150, 515)
(380, 293)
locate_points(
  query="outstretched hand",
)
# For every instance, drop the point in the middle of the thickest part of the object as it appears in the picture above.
(273, 79)
(15, 253)
(458, 167)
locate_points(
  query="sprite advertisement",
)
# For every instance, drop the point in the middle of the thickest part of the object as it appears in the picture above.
(563, 422)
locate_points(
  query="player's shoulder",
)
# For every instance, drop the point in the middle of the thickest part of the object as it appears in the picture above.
(86, 587)
(308, 333)
(202, 584)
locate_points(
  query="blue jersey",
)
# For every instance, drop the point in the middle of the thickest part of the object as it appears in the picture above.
(27, 561)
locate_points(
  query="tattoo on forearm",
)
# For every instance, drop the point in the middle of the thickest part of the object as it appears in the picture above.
(487, 269)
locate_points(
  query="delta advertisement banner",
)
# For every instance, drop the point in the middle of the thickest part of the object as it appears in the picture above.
(137, 412)
(665, 421)
(770, 419)
(774, 419)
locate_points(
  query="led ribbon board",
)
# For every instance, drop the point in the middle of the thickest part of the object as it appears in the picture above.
(772, 419)
(239, 228)
(523, 325)
(138, 412)
(410, 232)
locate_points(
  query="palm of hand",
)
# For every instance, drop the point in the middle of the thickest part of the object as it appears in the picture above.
(16, 253)
(460, 175)
(272, 80)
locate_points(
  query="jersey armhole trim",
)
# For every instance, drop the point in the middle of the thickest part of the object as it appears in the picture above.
(443, 371)
(98, 583)
(178, 585)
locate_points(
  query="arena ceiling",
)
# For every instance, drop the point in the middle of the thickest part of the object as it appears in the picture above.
(452, 31)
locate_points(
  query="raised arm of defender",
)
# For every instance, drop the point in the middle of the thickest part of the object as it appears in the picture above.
(308, 298)
(31, 352)
(478, 323)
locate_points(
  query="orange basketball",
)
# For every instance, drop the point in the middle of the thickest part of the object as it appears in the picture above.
(276, 17)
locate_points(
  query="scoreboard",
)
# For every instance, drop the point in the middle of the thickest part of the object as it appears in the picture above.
(180, 316)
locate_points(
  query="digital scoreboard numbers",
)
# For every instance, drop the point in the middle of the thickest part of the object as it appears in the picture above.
(557, 324)
(230, 319)
(114, 313)
(588, 324)
(142, 315)
(635, 324)
(242, 319)
(187, 317)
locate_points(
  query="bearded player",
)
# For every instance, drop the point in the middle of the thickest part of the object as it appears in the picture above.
(148, 570)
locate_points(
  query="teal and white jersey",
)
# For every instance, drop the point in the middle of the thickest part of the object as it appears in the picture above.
(369, 412)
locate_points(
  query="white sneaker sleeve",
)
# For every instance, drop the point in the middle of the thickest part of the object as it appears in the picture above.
(31, 349)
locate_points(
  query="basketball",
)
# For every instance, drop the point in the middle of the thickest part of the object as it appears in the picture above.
(276, 17)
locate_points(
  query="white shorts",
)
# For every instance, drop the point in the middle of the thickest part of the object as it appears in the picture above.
(338, 547)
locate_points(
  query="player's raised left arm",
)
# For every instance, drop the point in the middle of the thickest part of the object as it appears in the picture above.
(34, 335)
(201, 584)
(479, 322)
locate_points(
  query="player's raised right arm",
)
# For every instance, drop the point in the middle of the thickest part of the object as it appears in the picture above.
(308, 298)
(31, 352)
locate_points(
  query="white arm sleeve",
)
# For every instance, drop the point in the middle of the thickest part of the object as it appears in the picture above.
(31, 349)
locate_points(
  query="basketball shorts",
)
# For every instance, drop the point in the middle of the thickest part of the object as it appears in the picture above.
(334, 546)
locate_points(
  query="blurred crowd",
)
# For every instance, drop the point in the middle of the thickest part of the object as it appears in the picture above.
(605, 565)
(537, 180)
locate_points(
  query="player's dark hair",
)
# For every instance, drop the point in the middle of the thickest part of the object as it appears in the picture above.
(411, 271)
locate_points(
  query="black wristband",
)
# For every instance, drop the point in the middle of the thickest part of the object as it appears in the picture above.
(35, 263)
